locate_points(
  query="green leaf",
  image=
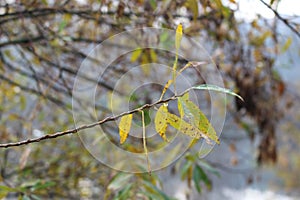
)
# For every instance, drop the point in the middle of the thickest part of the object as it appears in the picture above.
(200, 175)
(153, 4)
(37, 185)
(217, 89)
(42, 185)
(25, 197)
(157, 193)
(119, 181)
(197, 178)
(187, 165)
(62, 25)
(124, 193)
(209, 168)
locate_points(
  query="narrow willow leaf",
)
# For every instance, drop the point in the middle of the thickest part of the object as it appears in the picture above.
(286, 45)
(119, 180)
(160, 121)
(135, 55)
(124, 127)
(153, 191)
(197, 178)
(153, 56)
(178, 36)
(193, 6)
(200, 121)
(165, 88)
(217, 89)
(189, 64)
(124, 193)
(180, 102)
(185, 127)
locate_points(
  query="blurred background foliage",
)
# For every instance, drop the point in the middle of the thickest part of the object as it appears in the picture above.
(42, 45)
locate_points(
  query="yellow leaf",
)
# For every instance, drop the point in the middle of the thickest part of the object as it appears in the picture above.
(67, 17)
(153, 56)
(124, 127)
(178, 36)
(199, 120)
(165, 88)
(144, 65)
(161, 121)
(135, 55)
(189, 64)
(257, 55)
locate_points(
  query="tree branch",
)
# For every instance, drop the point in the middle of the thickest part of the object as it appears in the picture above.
(22, 41)
(86, 126)
(285, 21)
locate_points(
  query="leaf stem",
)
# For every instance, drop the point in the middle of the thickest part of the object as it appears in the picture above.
(144, 142)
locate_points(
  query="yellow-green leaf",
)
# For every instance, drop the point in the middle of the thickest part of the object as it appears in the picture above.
(180, 103)
(124, 127)
(193, 6)
(185, 127)
(286, 45)
(160, 121)
(200, 121)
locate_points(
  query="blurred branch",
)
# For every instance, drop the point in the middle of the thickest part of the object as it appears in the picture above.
(285, 21)
(22, 41)
(31, 90)
(85, 14)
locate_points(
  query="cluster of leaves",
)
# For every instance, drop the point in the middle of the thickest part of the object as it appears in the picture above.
(197, 127)
(42, 45)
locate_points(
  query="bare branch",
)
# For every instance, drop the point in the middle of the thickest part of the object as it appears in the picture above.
(285, 21)
(86, 126)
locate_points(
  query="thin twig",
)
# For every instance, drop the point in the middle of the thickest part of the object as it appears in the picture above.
(285, 21)
(86, 126)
